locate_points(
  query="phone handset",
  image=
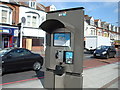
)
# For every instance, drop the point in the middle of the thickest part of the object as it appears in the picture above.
(56, 55)
(59, 55)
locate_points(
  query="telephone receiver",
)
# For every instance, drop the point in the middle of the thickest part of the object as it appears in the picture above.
(58, 54)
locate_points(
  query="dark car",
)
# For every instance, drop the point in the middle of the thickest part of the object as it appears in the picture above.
(105, 52)
(15, 59)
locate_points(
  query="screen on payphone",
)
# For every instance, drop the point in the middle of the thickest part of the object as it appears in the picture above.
(61, 39)
(68, 57)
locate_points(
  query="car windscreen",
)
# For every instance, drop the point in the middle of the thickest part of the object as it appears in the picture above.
(103, 47)
(4, 51)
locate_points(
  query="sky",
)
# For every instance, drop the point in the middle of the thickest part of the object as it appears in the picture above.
(106, 11)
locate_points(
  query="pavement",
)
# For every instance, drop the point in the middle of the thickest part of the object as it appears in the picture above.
(105, 76)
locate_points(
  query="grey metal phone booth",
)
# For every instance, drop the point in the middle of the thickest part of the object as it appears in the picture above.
(64, 48)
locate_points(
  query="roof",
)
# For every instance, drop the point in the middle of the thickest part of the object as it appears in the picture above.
(87, 17)
(40, 7)
(47, 8)
(96, 20)
(78, 8)
(26, 4)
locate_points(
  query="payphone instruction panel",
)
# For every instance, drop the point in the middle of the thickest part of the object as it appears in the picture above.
(62, 39)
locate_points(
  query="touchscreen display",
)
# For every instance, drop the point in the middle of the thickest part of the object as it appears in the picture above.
(68, 57)
(61, 39)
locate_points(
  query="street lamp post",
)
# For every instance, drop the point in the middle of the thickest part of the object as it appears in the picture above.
(23, 20)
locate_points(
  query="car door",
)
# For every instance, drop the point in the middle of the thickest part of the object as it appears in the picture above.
(29, 59)
(12, 60)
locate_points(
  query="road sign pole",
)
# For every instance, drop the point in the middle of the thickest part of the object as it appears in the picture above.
(23, 20)
(21, 30)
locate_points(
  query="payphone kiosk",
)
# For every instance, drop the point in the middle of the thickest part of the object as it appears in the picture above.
(64, 48)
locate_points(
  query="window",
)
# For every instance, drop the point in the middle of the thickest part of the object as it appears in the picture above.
(32, 20)
(5, 14)
(32, 4)
(38, 42)
(15, 53)
(92, 32)
(26, 52)
(91, 22)
(99, 24)
(28, 20)
(19, 53)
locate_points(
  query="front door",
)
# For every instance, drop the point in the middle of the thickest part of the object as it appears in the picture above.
(5, 42)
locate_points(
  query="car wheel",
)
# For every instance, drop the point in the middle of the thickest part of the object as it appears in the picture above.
(36, 66)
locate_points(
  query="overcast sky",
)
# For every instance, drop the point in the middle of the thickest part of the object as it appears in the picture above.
(106, 11)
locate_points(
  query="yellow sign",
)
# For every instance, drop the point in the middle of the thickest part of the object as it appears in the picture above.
(1, 31)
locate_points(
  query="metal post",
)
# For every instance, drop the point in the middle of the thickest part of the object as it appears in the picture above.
(23, 20)
(21, 30)
(44, 42)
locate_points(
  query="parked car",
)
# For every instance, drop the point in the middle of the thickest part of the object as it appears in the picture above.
(15, 59)
(105, 52)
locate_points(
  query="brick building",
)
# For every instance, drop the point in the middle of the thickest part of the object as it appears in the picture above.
(8, 24)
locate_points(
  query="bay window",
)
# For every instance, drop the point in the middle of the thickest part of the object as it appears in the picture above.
(32, 20)
(5, 14)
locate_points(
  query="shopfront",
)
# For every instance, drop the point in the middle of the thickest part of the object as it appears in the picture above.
(7, 35)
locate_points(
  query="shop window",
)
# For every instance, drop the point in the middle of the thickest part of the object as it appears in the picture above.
(38, 42)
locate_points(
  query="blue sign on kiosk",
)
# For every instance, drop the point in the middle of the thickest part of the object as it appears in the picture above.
(61, 39)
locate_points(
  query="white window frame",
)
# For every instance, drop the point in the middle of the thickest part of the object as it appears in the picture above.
(99, 24)
(32, 4)
(31, 21)
(91, 22)
(9, 14)
(99, 32)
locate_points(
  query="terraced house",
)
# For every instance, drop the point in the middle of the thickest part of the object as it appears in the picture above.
(9, 14)
(101, 28)
(34, 14)
(33, 38)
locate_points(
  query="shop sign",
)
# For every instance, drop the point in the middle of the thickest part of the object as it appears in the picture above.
(1, 31)
(6, 31)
